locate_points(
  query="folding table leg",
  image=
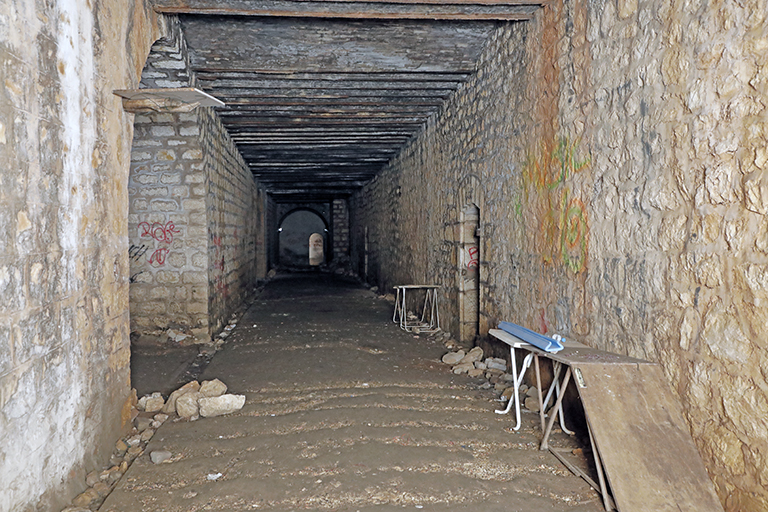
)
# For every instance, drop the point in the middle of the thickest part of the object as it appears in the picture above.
(538, 389)
(555, 409)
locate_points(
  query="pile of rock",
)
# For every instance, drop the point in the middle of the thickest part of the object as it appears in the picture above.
(208, 399)
(494, 372)
(189, 402)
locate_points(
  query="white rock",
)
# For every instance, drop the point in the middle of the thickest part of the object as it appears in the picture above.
(476, 354)
(170, 405)
(211, 388)
(160, 456)
(496, 363)
(453, 357)
(218, 405)
(462, 368)
(186, 404)
(480, 365)
(178, 337)
(532, 403)
(142, 405)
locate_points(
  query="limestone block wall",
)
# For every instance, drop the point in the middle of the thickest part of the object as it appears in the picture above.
(617, 154)
(65, 150)
(168, 228)
(340, 230)
(234, 212)
(193, 225)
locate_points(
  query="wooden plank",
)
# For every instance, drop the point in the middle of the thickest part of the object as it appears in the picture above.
(181, 95)
(333, 46)
(356, 9)
(646, 446)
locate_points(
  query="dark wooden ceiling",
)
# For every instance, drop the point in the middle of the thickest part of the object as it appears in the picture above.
(318, 104)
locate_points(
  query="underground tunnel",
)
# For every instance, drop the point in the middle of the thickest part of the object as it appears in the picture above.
(241, 189)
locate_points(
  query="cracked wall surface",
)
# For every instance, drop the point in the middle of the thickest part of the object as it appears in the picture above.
(65, 151)
(617, 152)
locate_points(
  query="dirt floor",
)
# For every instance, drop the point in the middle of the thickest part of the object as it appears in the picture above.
(344, 411)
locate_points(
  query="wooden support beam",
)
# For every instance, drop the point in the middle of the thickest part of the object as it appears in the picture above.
(358, 9)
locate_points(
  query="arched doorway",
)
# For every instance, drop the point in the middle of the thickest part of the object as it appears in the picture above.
(469, 273)
(294, 233)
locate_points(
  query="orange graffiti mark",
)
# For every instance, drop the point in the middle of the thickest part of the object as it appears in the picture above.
(559, 222)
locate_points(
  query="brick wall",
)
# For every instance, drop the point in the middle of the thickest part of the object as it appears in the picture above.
(616, 152)
(64, 148)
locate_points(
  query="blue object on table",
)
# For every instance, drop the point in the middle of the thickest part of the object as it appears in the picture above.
(545, 343)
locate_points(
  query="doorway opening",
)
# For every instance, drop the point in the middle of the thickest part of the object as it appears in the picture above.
(469, 273)
(302, 239)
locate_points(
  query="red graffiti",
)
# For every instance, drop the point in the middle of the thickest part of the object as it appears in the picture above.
(543, 325)
(474, 252)
(159, 256)
(217, 241)
(161, 233)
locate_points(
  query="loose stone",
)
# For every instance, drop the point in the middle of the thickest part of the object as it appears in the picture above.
(219, 405)
(121, 447)
(496, 363)
(133, 452)
(91, 478)
(170, 405)
(86, 498)
(133, 440)
(147, 435)
(532, 391)
(151, 403)
(473, 355)
(462, 368)
(212, 388)
(476, 372)
(142, 423)
(159, 456)
(453, 357)
(186, 404)
(532, 404)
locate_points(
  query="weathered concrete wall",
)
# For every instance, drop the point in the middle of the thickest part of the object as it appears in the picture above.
(617, 154)
(65, 151)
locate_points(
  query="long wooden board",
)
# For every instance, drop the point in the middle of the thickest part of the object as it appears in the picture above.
(645, 445)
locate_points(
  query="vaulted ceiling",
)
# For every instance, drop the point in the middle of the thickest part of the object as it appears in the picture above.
(320, 95)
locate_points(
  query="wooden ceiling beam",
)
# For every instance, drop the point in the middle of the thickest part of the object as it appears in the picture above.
(486, 10)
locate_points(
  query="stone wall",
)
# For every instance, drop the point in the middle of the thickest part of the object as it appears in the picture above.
(65, 150)
(340, 231)
(168, 228)
(194, 222)
(617, 154)
(234, 214)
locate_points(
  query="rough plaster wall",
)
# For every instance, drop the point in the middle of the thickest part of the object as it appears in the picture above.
(617, 152)
(64, 147)
(232, 221)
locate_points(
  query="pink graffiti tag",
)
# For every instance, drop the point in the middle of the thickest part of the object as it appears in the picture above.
(160, 232)
(159, 256)
(473, 257)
